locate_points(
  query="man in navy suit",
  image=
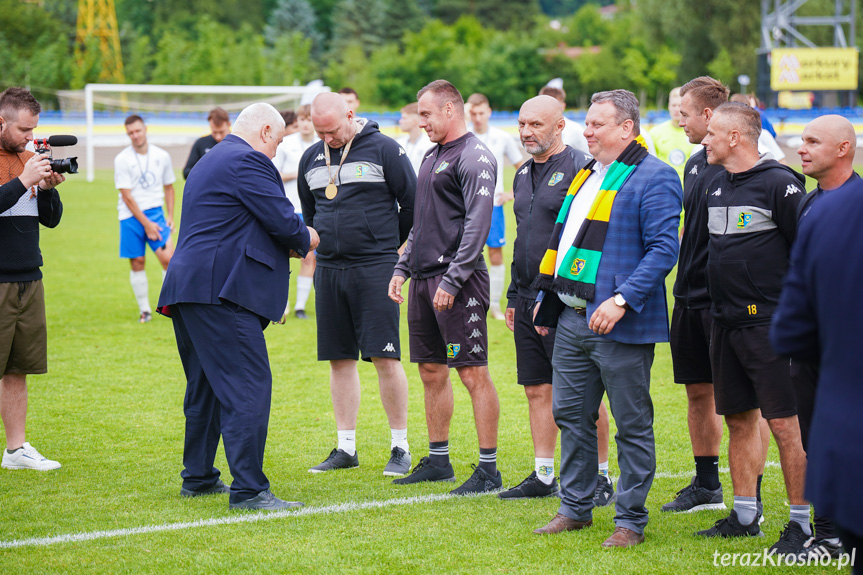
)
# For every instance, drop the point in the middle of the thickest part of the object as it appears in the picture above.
(809, 326)
(227, 281)
(605, 342)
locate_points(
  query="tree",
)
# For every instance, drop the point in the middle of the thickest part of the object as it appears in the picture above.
(292, 17)
(499, 14)
(360, 23)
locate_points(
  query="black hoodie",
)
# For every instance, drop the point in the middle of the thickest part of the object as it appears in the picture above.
(752, 219)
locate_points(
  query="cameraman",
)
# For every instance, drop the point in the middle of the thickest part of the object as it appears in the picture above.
(27, 199)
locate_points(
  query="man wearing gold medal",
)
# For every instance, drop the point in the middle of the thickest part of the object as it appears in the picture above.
(357, 189)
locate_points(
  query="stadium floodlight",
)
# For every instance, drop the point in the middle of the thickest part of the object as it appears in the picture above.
(130, 100)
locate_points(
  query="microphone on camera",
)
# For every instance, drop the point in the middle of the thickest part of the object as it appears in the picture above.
(60, 141)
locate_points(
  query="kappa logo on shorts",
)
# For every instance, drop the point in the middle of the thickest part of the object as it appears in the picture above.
(442, 167)
(389, 347)
(477, 349)
(474, 317)
(362, 171)
(485, 175)
(320, 157)
(483, 191)
(452, 350)
(472, 302)
(475, 333)
(577, 266)
(744, 219)
(556, 178)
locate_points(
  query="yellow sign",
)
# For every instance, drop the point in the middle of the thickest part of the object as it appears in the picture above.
(814, 69)
(796, 100)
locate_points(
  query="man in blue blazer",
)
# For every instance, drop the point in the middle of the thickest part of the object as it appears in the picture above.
(606, 334)
(227, 281)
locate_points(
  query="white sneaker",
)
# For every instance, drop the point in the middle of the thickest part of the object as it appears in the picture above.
(27, 458)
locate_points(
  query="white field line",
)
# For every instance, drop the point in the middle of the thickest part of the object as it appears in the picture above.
(261, 516)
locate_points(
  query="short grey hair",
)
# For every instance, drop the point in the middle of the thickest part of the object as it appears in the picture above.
(256, 116)
(626, 105)
(745, 119)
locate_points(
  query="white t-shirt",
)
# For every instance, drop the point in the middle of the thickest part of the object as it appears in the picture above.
(416, 151)
(767, 143)
(501, 145)
(287, 161)
(145, 175)
(573, 135)
(578, 211)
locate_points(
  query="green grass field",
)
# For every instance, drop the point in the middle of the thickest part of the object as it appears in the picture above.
(110, 409)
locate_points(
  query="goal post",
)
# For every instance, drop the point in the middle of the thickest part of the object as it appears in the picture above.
(272, 94)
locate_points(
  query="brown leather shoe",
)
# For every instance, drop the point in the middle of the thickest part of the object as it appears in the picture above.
(623, 537)
(562, 523)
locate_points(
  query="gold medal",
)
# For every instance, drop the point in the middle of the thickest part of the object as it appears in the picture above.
(331, 191)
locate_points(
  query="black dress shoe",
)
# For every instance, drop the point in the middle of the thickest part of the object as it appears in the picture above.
(219, 487)
(265, 501)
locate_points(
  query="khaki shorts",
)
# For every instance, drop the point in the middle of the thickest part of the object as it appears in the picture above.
(23, 332)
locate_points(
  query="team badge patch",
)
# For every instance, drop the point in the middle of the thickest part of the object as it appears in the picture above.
(556, 178)
(743, 220)
(452, 350)
(577, 266)
(442, 167)
(362, 171)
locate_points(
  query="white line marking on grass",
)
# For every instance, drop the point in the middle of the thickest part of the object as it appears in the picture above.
(242, 517)
(245, 517)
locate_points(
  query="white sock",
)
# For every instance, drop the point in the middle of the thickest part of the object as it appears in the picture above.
(544, 467)
(139, 288)
(399, 438)
(304, 288)
(348, 441)
(603, 469)
(496, 275)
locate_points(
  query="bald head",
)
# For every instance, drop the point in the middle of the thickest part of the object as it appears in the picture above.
(333, 119)
(261, 126)
(540, 125)
(827, 151)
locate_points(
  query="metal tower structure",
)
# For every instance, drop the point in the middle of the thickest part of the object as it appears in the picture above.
(779, 29)
(98, 18)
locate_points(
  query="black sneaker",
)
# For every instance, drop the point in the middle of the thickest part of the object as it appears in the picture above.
(301, 314)
(731, 527)
(604, 494)
(530, 488)
(424, 471)
(218, 487)
(337, 459)
(792, 540)
(145, 317)
(479, 482)
(399, 463)
(819, 548)
(693, 497)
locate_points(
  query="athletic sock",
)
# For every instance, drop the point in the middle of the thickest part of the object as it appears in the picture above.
(758, 488)
(348, 441)
(707, 471)
(746, 509)
(304, 288)
(603, 469)
(496, 277)
(139, 288)
(399, 438)
(800, 515)
(544, 467)
(439, 453)
(488, 460)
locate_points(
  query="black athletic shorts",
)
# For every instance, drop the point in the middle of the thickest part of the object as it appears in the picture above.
(747, 374)
(690, 344)
(532, 351)
(455, 337)
(354, 313)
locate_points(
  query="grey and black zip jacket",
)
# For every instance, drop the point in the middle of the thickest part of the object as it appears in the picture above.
(752, 220)
(372, 213)
(452, 217)
(536, 210)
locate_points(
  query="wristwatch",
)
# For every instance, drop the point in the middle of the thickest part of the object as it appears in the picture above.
(619, 301)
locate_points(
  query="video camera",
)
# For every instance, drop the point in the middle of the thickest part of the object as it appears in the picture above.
(64, 166)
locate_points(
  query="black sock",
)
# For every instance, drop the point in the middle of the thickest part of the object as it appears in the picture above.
(758, 488)
(707, 471)
(488, 460)
(11, 451)
(439, 453)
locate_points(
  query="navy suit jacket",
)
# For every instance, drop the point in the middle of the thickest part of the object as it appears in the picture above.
(820, 319)
(237, 231)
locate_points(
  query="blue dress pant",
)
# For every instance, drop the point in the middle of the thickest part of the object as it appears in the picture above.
(586, 366)
(228, 392)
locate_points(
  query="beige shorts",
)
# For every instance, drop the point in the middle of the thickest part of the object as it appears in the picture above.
(23, 331)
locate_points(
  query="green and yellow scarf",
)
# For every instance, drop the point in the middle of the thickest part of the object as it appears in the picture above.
(577, 272)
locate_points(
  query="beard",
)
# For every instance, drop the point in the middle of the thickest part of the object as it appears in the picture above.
(7, 145)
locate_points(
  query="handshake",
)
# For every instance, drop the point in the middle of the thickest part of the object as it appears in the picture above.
(314, 240)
